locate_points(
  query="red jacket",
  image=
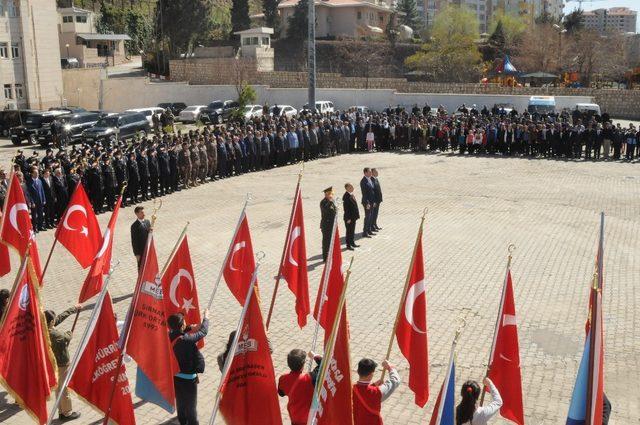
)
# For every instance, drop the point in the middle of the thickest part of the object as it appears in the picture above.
(367, 402)
(299, 388)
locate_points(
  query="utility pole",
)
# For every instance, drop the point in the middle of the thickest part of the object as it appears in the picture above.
(311, 51)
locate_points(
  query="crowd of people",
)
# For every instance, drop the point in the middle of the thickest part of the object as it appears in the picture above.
(168, 161)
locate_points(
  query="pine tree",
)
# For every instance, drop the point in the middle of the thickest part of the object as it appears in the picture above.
(410, 16)
(271, 17)
(240, 15)
(297, 28)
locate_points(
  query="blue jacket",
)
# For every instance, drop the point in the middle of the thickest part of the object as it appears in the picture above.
(36, 191)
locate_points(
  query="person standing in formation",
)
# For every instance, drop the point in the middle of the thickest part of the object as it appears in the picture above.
(468, 411)
(377, 191)
(368, 396)
(328, 213)
(368, 202)
(190, 361)
(139, 233)
(298, 385)
(351, 215)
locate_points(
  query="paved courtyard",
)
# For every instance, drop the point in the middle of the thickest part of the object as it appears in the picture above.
(477, 206)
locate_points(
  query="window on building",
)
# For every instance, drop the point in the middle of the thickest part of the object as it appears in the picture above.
(265, 41)
(1, 8)
(359, 15)
(12, 9)
(19, 91)
(4, 50)
(67, 19)
(81, 19)
(15, 50)
(8, 93)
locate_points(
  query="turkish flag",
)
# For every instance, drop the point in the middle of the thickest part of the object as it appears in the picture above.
(95, 372)
(240, 264)
(504, 367)
(148, 337)
(294, 261)
(336, 404)
(411, 332)
(182, 294)
(335, 282)
(101, 261)
(78, 230)
(27, 365)
(249, 394)
(5, 261)
(16, 229)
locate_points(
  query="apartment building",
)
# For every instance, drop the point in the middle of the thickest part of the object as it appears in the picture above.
(30, 72)
(615, 19)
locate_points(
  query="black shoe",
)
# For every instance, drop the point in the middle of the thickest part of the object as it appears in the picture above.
(355, 246)
(366, 235)
(72, 417)
(377, 228)
(350, 248)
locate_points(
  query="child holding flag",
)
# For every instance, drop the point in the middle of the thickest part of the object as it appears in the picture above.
(468, 412)
(298, 385)
(368, 396)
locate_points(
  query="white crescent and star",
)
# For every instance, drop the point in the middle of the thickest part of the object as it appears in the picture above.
(237, 247)
(23, 301)
(105, 244)
(295, 234)
(65, 223)
(187, 303)
(413, 293)
(13, 215)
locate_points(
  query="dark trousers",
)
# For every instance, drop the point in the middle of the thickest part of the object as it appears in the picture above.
(37, 217)
(374, 218)
(368, 220)
(326, 241)
(351, 229)
(186, 400)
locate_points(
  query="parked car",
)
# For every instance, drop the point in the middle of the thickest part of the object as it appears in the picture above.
(192, 113)
(252, 111)
(283, 111)
(175, 107)
(147, 112)
(117, 127)
(359, 109)
(12, 118)
(322, 107)
(219, 111)
(71, 125)
(70, 109)
(34, 124)
(67, 63)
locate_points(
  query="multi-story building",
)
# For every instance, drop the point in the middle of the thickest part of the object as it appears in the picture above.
(30, 71)
(615, 19)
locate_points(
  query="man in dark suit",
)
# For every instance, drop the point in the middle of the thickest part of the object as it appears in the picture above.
(139, 233)
(368, 202)
(351, 214)
(377, 190)
(38, 199)
(327, 214)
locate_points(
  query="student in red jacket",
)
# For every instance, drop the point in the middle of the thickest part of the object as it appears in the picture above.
(368, 396)
(298, 386)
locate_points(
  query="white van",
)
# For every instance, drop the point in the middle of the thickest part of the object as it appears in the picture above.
(589, 108)
(322, 106)
(148, 112)
(542, 104)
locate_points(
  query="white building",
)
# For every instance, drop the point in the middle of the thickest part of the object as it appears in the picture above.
(615, 19)
(30, 71)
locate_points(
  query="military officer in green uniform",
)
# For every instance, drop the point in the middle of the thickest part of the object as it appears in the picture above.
(328, 214)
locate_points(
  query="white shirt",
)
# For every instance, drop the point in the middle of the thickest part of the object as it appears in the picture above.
(482, 414)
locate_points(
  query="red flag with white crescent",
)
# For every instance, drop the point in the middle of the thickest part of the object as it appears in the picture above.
(95, 372)
(249, 394)
(411, 332)
(335, 282)
(27, 365)
(78, 230)
(504, 365)
(179, 287)
(5, 261)
(101, 261)
(16, 229)
(294, 262)
(239, 266)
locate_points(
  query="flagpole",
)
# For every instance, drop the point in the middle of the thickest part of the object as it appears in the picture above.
(83, 344)
(405, 290)
(327, 270)
(452, 357)
(226, 257)
(594, 328)
(75, 320)
(285, 248)
(328, 351)
(510, 250)
(175, 249)
(21, 269)
(236, 338)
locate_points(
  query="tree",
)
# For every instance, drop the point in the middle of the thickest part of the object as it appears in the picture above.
(451, 54)
(513, 26)
(495, 46)
(297, 28)
(540, 50)
(131, 21)
(240, 15)
(409, 14)
(573, 22)
(180, 22)
(593, 55)
(271, 15)
(547, 18)
(392, 30)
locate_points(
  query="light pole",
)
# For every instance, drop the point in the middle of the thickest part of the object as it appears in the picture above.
(67, 46)
(560, 32)
(311, 52)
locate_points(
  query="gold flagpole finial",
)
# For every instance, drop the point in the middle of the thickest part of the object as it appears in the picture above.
(157, 204)
(463, 323)
(424, 212)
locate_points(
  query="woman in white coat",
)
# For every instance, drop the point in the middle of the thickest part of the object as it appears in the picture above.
(468, 411)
